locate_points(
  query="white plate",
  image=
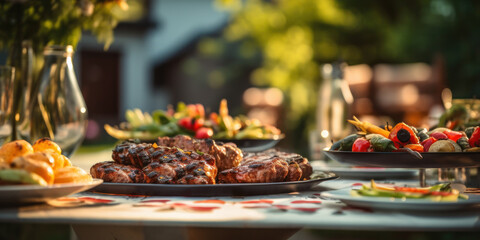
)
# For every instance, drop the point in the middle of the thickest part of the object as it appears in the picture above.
(18, 194)
(401, 204)
(375, 173)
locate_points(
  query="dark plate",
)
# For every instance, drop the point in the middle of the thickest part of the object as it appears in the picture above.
(213, 190)
(252, 145)
(407, 160)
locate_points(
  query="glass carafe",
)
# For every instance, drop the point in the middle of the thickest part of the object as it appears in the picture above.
(58, 110)
(22, 115)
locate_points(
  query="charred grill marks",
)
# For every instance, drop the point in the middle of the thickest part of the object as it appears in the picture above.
(114, 172)
(169, 164)
(226, 155)
(268, 166)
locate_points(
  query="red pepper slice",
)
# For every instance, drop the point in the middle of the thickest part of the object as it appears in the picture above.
(422, 190)
(474, 140)
(439, 136)
(427, 143)
(402, 135)
(453, 135)
(411, 189)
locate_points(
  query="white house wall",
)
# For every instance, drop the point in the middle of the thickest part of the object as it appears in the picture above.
(178, 21)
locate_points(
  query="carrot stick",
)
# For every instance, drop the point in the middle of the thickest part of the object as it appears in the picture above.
(368, 127)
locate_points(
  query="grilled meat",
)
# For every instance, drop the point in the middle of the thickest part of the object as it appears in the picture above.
(268, 166)
(226, 155)
(256, 170)
(167, 165)
(173, 165)
(118, 173)
(130, 153)
(143, 162)
(294, 172)
(294, 159)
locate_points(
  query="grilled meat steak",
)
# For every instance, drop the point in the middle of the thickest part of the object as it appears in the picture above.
(256, 170)
(173, 165)
(268, 166)
(294, 172)
(226, 155)
(298, 165)
(294, 159)
(118, 173)
(167, 165)
(147, 163)
(130, 153)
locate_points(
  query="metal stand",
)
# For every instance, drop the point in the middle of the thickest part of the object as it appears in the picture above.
(422, 177)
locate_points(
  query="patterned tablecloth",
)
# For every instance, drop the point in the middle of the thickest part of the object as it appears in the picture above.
(292, 210)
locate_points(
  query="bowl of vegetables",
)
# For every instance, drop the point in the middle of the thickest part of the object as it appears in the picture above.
(404, 146)
(193, 120)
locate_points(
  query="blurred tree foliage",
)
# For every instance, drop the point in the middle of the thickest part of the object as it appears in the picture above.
(59, 22)
(290, 39)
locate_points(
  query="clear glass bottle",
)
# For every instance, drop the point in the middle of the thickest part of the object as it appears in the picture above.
(58, 108)
(334, 101)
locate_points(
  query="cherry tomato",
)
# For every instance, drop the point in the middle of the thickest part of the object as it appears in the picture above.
(204, 132)
(198, 123)
(427, 143)
(185, 122)
(360, 145)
